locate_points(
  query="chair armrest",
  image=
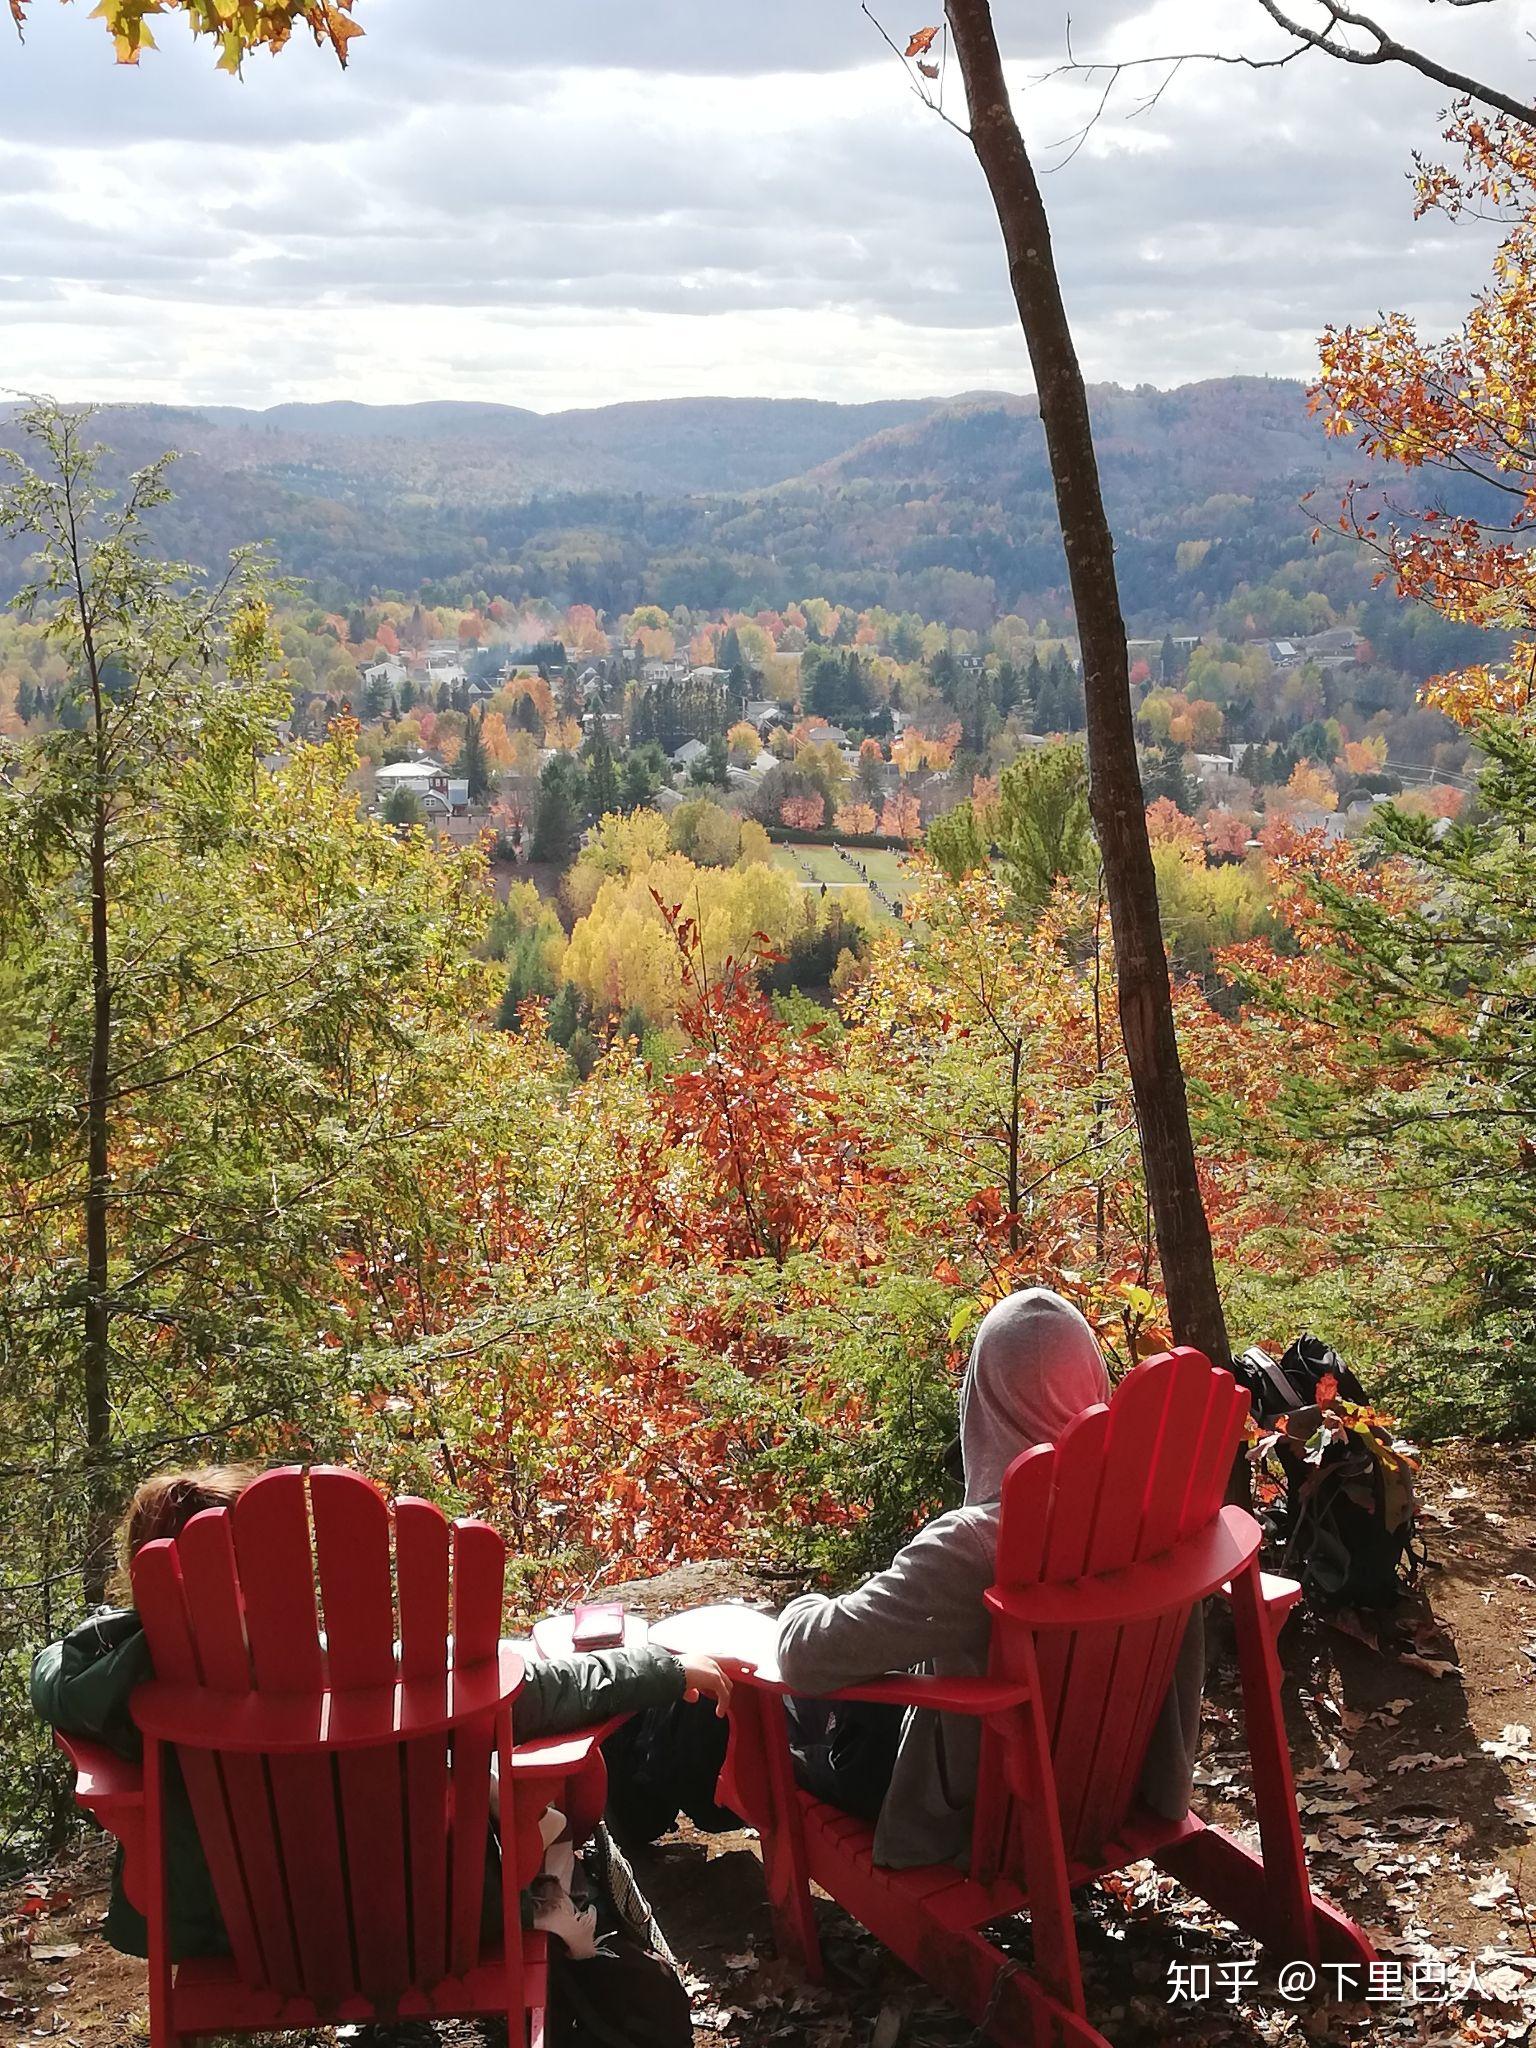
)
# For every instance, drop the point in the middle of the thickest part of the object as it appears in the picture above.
(745, 1642)
(1277, 1595)
(978, 1696)
(555, 1756)
(110, 1788)
(102, 1777)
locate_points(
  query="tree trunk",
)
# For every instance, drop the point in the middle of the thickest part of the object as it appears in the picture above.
(96, 1362)
(1115, 793)
(96, 1351)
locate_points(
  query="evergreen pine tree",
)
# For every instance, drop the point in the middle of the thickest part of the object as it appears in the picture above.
(555, 820)
(632, 1024)
(602, 774)
(1433, 1097)
(472, 761)
(637, 785)
(565, 1014)
(1163, 773)
(1034, 685)
(582, 1051)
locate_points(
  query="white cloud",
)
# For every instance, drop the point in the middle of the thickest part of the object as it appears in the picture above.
(570, 205)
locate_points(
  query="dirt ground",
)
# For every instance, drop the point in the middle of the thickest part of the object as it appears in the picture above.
(1417, 1776)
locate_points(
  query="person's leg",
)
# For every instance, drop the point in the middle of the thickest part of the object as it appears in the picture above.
(844, 1752)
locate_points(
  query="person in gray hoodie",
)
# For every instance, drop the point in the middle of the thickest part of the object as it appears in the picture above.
(1035, 1365)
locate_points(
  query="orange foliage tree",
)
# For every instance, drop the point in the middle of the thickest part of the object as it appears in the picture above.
(1167, 825)
(236, 29)
(1310, 784)
(902, 816)
(803, 813)
(1464, 405)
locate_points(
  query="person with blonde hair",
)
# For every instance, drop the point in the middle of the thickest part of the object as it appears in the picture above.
(83, 1685)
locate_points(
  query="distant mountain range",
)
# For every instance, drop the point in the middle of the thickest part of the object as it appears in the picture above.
(942, 506)
(480, 453)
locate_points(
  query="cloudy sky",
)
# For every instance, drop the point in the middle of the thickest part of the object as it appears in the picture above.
(569, 204)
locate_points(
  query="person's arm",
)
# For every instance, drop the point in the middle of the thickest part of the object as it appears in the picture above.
(82, 1685)
(923, 1608)
(574, 1692)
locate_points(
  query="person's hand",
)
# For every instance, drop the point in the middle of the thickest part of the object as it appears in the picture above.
(704, 1675)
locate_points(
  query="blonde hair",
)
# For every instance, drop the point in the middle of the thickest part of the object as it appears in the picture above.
(165, 1504)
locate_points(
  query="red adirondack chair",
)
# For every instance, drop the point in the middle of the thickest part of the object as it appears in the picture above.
(1107, 1539)
(338, 1764)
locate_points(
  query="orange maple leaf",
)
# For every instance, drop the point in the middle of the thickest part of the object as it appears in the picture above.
(922, 42)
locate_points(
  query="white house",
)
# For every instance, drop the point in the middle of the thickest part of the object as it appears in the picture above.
(439, 794)
(388, 673)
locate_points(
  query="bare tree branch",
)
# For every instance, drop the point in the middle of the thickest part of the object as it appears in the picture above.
(933, 101)
(1331, 38)
(1386, 49)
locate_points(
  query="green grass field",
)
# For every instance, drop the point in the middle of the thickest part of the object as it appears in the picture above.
(813, 865)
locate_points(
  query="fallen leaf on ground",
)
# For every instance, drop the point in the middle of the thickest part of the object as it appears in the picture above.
(1437, 1667)
(888, 2027)
(1496, 1892)
(1515, 1741)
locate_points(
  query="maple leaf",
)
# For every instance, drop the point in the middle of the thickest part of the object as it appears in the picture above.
(928, 70)
(922, 42)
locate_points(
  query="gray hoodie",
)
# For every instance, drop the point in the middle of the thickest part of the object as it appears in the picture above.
(1034, 1365)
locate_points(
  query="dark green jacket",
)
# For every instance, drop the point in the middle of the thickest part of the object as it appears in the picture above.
(82, 1685)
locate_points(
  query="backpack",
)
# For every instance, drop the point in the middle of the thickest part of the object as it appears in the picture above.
(628, 1995)
(1347, 1524)
(1277, 1387)
(1353, 1539)
(623, 1997)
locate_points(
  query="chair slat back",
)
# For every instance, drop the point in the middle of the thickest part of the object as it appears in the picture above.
(358, 1873)
(1127, 1481)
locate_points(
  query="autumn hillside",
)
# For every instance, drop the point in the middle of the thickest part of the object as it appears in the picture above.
(942, 507)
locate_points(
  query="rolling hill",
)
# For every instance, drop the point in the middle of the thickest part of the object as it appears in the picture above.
(941, 506)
